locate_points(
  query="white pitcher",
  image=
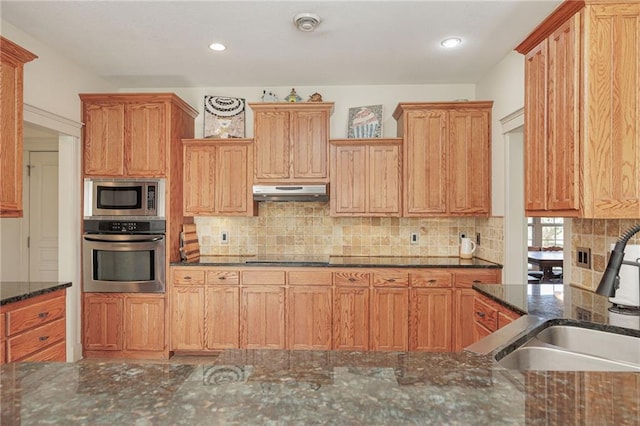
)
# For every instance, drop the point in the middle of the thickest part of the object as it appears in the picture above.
(467, 248)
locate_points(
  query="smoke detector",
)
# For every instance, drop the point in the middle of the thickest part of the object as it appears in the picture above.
(306, 22)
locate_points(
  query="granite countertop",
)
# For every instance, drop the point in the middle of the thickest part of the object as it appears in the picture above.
(342, 261)
(14, 291)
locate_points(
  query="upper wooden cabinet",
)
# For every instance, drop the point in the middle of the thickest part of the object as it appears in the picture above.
(217, 176)
(291, 141)
(582, 131)
(447, 158)
(12, 60)
(366, 177)
(132, 135)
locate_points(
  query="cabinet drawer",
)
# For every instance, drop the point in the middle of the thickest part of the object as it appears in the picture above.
(223, 277)
(31, 341)
(34, 315)
(3, 331)
(188, 276)
(485, 314)
(390, 278)
(57, 352)
(351, 279)
(310, 278)
(263, 277)
(431, 279)
(467, 279)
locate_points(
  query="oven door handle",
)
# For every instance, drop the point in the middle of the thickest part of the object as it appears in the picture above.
(124, 238)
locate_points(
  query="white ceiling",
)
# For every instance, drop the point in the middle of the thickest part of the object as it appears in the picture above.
(154, 44)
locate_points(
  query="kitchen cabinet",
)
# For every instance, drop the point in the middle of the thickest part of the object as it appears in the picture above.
(463, 303)
(34, 329)
(366, 177)
(12, 60)
(217, 176)
(430, 314)
(291, 142)
(446, 159)
(390, 310)
(222, 304)
(124, 325)
(351, 315)
(309, 311)
(133, 135)
(262, 310)
(581, 117)
(487, 316)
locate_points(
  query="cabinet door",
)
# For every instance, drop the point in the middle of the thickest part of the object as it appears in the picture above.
(562, 157)
(223, 317)
(272, 145)
(384, 179)
(232, 179)
(348, 180)
(262, 317)
(389, 319)
(463, 334)
(144, 323)
(469, 162)
(351, 318)
(425, 163)
(103, 322)
(430, 320)
(612, 138)
(310, 142)
(145, 150)
(187, 318)
(309, 317)
(535, 128)
(104, 138)
(199, 179)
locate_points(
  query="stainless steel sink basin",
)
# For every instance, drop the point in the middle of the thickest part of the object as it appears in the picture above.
(573, 348)
(593, 342)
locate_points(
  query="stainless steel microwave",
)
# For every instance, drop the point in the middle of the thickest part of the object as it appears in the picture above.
(124, 197)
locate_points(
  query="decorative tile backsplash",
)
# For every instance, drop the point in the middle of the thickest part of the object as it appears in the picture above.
(307, 228)
(597, 234)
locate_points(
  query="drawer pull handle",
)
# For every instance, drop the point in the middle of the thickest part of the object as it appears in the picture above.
(222, 278)
(43, 338)
(43, 314)
(432, 281)
(481, 314)
(477, 281)
(353, 280)
(391, 280)
(187, 278)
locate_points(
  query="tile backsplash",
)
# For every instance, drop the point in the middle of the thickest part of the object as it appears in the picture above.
(598, 235)
(307, 228)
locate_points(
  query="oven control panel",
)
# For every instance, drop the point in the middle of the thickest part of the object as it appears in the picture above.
(124, 227)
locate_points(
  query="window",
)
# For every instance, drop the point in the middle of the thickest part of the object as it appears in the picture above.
(545, 231)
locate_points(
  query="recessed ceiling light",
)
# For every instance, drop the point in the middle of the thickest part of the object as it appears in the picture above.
(218, 47)
(451, 42)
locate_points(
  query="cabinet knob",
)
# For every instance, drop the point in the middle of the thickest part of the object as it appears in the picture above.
(43, 338)
(187, 278)
(222, 278)
(432, 281)
(43, 314)
(391, 280)
(352, 280)
(480, 314)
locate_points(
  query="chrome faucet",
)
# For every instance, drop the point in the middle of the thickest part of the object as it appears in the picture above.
(610, 281)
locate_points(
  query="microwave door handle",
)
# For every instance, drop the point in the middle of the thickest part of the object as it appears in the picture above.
(119, 239)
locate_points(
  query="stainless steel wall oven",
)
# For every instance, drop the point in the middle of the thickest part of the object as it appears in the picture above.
(124, 256)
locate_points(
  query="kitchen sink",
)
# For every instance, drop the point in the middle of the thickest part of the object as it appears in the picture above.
(574, 348)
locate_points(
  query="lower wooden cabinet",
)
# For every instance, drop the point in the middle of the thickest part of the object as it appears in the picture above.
(490, 316)
(34, 329)
(129, 325)
(382, 309)
(262, 320)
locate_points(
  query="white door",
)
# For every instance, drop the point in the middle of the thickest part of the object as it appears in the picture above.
(43, 216)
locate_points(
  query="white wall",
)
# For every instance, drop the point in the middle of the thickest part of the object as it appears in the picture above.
(344, 97)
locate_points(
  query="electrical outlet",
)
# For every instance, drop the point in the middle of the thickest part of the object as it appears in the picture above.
(414, 238)
(477, 238)
(224, 237)
(584, 257)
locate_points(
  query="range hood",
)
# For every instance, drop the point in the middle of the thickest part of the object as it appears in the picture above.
(290, 193)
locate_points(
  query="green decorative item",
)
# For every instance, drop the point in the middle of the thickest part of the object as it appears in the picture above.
(293, 97)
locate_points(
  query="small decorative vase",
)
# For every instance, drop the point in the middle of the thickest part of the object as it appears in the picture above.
(293, 97)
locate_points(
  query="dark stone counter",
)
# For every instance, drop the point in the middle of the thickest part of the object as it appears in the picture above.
(342, 261)
(14, 291)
